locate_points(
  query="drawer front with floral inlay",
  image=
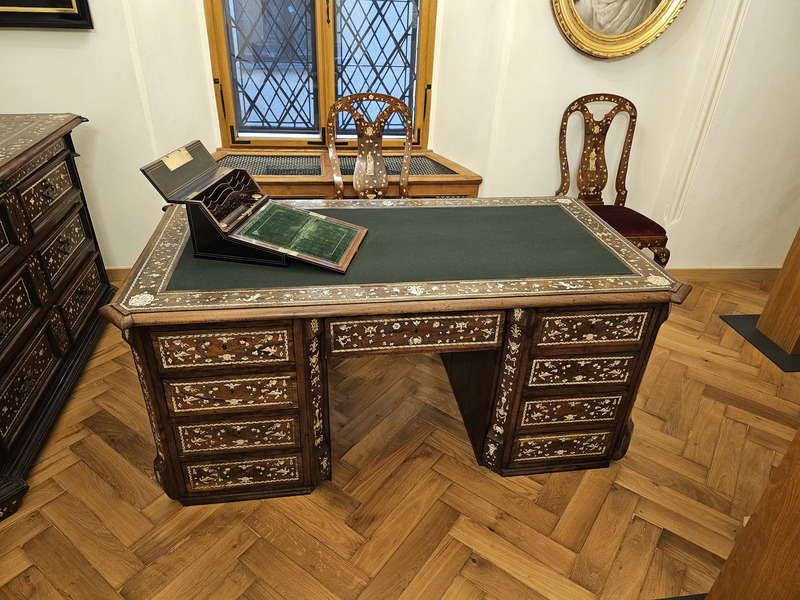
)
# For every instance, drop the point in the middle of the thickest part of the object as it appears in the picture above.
(5, 237)
(18, 302)
(469, 330)
(593, 328)
(231, 394)
(18, 389)
(581, 370)
(43, 192)
(58, 251)
(575, 409)
(201, 477)
(33, 164)
(77, 303)
(238, 435)
(226, 347)
(530, 448)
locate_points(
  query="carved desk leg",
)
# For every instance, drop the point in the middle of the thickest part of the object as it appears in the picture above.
(509, 386)
(163, 468)
(316, 387)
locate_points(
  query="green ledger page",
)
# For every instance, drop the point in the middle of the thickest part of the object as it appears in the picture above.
(298, 231)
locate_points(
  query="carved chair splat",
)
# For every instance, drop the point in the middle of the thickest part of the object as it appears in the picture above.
(370, 178)
(592, 174)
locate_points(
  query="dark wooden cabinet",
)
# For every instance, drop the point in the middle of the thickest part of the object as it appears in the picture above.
(52, 280)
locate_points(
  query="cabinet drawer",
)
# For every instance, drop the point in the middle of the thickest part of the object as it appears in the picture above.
(596, 327)
(77, 303)
(245, 473)
(255, 346)
(580, 410)
(236, 435)
(45, 189)
(23, 384)
(472, 330)
(581, 370)
(551, 447)
(60, 248)
(18, 303)
(231, 394)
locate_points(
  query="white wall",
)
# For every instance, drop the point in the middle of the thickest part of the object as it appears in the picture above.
(713, 157)
(141, 77)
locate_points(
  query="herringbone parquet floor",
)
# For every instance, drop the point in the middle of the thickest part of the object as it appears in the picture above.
(409, 514)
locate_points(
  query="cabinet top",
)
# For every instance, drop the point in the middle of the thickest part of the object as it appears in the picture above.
(23, 135)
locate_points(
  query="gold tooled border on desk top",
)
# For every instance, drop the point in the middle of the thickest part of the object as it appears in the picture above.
(147, 290)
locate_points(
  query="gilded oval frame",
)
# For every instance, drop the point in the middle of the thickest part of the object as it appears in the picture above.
(589, 41)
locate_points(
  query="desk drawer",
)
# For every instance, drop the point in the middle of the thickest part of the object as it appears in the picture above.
(528, 450)
(437, 332)
(232, 394)
(581, 370)
(589, 409)
(592, 328)
(237, 435)
(224, 347)
(243, 473)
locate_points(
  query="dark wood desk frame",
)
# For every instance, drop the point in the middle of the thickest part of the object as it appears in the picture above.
(461, 183)
(545, 370)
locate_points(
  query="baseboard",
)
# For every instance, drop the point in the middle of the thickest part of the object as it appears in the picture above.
(118, 274)
(736, 274)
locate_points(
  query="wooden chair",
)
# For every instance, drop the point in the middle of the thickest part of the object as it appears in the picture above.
(592, 174)
(370, 179)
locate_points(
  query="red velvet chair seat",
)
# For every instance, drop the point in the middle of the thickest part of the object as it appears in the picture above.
(628, 222)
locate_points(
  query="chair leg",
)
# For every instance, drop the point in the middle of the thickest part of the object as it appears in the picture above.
(661, 255)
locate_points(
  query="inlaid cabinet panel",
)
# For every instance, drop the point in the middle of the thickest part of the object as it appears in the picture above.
(431, 333)
(19, 302)
(231, 394)
(253, 346)
(18, 390)
(62, 247)
(247, 473)
(76, 303)
(236, 435)
(45, 189)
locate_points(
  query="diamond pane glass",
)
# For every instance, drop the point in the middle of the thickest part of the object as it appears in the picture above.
(375, 50)
(273, 60)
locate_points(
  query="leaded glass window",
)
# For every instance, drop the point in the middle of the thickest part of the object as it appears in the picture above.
(375, 43)
(278, 65)
(273, 60)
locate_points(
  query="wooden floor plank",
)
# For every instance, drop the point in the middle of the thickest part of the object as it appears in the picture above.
(413, 515)
(536, 575)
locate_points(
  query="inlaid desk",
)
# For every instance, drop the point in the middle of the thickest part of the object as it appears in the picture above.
(543, 315)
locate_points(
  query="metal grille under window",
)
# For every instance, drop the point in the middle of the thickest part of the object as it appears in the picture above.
(273, 165)
(273, 60)
(375, 45)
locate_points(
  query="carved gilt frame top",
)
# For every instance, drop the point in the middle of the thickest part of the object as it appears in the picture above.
(145, 293)
(587, 40)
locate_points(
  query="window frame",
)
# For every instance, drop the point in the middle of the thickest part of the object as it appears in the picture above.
(223, 89)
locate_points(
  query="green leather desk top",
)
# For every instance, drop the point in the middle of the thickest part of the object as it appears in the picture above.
(415, 250)
(430, 244)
